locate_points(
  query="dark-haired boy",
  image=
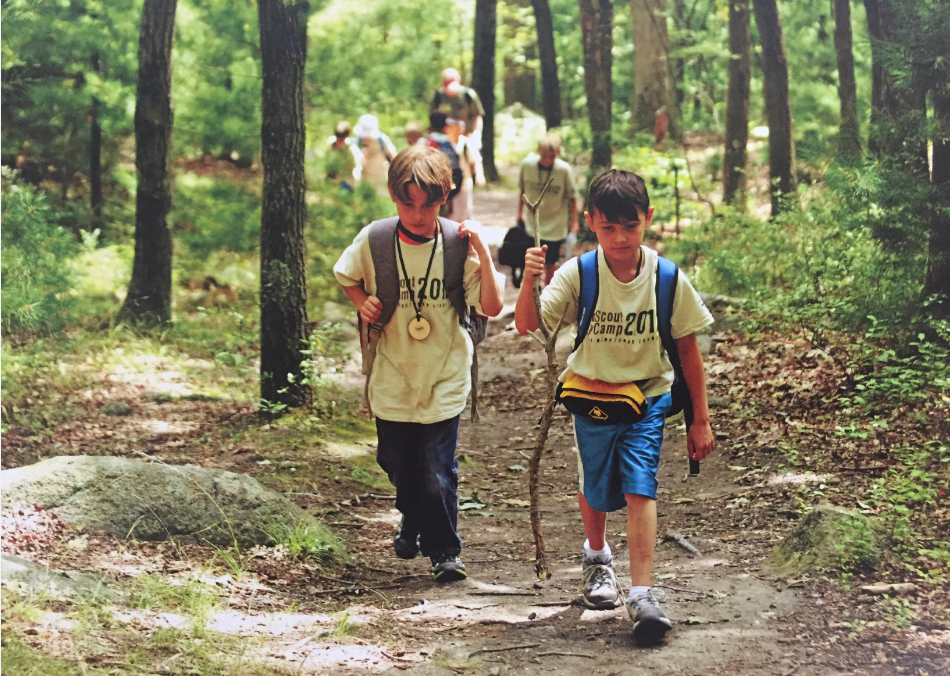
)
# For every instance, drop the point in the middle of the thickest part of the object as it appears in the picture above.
(618, 462)
(420, 375)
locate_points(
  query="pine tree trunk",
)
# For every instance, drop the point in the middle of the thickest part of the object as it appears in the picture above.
(777, 107)
(737, 106)
(284, 328)
(652, 81)
(149, 299)
(872, 9)
(520, 84)
(849, 139)
(550, 86)
(483, 78)
(95, 153)
(597, 17)
(938, 264)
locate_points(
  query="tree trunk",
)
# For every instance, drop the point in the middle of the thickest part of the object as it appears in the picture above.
(550, 86)
(652, 79)
(597, 18)
(938, 264)
(149, 300)
(283, 30)
(95, 153)
(483, 78)
(520, 83)
(737, 106)
(777, 107)
(849, 139)
(872, 9)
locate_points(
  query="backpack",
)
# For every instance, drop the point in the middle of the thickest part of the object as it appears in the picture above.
(382, 236)
(448, 149)
(513, 249)
(666, 280)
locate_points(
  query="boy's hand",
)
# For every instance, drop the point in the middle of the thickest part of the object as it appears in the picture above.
(534, 261)
(371, 308)
(471, 229)
(700, 441)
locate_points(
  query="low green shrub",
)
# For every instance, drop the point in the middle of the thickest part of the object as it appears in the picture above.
(36, 280)
(210, 215)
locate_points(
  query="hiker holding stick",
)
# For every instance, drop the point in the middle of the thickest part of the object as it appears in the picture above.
(619, 379)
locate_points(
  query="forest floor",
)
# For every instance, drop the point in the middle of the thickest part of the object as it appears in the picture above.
(202, 611)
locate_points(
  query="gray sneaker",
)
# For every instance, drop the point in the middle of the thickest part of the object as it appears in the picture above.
(600, 587)
(650, 623)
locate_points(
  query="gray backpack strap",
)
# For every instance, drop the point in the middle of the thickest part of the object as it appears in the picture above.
(455, 251)
(382, 247)
(382, 238)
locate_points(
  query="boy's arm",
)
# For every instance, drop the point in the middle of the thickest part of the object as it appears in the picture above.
(700, 440)
(526, 315)
(490, 294)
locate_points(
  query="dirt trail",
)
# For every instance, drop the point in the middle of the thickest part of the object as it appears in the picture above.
(383, 615)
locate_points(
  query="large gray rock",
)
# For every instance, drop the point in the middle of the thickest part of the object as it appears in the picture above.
(154, 501)
(830, 538)
(29, 578)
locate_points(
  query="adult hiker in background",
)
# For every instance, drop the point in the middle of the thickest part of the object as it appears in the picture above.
(377, 152)
(411, 279)
(544, 175)
(461, 103)
(344, 160)
(414, 134)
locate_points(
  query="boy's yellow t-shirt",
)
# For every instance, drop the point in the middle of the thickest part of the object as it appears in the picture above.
(417, 381)
(623, 343)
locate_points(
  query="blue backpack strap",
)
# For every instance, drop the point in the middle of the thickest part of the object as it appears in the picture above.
(587, 264)
(666, 279)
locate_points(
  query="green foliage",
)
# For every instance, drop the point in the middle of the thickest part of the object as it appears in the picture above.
(211, 215)
(36, 280)
(23, 660)
(305, 540)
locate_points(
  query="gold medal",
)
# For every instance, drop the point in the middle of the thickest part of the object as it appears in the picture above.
(419, 328)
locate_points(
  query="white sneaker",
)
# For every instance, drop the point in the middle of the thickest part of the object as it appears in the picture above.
(600, 587)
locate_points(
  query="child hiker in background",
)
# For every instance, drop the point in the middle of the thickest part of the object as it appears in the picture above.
(620, 358)
(424, 272)
(557, 213)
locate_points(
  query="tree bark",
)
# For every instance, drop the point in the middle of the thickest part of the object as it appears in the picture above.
(597, 17)
(777, 107)
(938, 263)
(483, 78)
(652, 80)
(550, 86)
(520, 83)
(737, 106)
(95, 152)
(284, 328)
(872, 9)
(849, 139)
(149, 299)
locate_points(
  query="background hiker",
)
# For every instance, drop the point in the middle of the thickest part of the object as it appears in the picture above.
(461, 103)
(344, 160)
(417, 408)
(377, 151)
(622, 352)
(557, 211)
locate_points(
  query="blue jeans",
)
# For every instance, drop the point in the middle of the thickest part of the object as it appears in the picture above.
(420, 462)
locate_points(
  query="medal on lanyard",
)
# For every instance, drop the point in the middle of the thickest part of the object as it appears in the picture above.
(419, 327)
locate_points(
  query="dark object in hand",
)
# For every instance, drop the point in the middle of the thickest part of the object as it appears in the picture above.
(513, 249)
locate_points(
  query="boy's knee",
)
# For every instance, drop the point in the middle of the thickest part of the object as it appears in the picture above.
(638, 502)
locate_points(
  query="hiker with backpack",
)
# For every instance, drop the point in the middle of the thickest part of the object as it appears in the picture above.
(423, 286)
(376, 149)
(445, 134)
(344, 160)
(636, 360)
(546, 177)
(460, 103)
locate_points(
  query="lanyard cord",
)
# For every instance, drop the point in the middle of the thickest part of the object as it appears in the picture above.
(425, 281)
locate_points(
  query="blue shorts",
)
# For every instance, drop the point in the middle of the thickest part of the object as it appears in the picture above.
(616, 460)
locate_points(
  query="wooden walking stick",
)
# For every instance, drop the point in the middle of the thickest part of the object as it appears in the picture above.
(548, 340)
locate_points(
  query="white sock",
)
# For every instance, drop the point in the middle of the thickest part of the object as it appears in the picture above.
(594, 556)
(637, 592)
